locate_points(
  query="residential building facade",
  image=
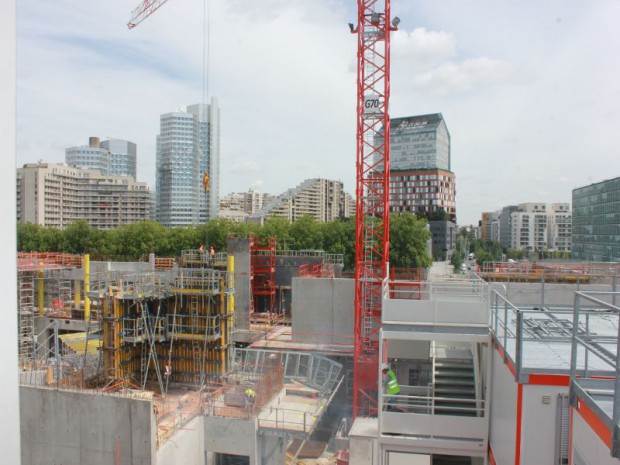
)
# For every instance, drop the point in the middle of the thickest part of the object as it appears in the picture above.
(541, 227)
(596, 221)
(505, 227)
(423, 191)
(237, 206)
(323, 199)
(57, 195)
(188, 146)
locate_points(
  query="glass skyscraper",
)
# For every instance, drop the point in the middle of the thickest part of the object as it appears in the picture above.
(420, 178)
(188, 145)
(596, 222)
(113, 157)
(122, 157)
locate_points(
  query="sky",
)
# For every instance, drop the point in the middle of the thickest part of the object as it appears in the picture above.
(529, 90)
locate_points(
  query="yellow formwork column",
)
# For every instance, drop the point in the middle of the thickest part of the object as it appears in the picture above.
(229, 321)
(86, 287)
(77, 290)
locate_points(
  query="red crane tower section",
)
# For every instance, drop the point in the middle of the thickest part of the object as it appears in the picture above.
(372, 195)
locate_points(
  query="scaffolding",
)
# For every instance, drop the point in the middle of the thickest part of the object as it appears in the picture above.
(44, 290)
(171, 327)
(26, 310)
(263, 273)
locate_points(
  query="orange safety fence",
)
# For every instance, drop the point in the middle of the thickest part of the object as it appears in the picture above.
(45, 260)
(317, 270)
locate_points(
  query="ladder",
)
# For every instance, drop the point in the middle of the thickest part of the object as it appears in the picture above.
(26, 317)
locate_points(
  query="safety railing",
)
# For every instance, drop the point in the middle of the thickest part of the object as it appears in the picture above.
(523, 332)
(135, 330)
(202, 257)
(420, 400)
(199, 280)
(588, 348)
(318, 270)
(450, 302)
(180, 324)
(472, 290)
(143, 285)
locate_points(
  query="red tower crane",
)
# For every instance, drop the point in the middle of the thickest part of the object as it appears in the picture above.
(372, 218)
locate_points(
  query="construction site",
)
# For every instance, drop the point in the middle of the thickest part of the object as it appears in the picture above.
(151, 362)
(260, 355)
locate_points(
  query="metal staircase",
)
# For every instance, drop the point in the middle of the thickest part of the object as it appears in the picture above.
(455, 388)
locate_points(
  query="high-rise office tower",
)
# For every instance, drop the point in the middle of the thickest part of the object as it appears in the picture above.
(188, 146)
(596, 221)
(113, 157)
(420, 178)
(91, 156)
(122, 157)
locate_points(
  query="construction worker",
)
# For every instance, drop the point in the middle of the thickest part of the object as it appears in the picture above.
(391, 387)
(250, 397)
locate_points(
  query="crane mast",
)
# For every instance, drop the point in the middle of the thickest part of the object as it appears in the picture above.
(372, 233)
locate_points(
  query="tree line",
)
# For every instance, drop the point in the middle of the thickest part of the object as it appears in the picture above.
(135, 241)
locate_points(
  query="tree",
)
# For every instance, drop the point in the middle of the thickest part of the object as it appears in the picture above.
(456, 261)
(139, 239)
(28, 237)
(307, 233)
(79, 238)
(339, 238)
(181, 238)
(408, 238)
(514, 254)
(278, 227)
(215, 233)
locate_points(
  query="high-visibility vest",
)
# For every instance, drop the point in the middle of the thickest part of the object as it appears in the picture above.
(392, 386)
(250, 392)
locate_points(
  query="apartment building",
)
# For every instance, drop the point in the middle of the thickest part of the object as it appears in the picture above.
(57, 195)
(322, 199)
(541, 227)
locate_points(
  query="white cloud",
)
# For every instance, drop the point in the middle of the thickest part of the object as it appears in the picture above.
(464, 76)
(421, 49)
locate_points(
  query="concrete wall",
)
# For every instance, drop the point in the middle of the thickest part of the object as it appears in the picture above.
(588, 448)
(76, 428)
(503, 421)
(322, 310)
(231, 436)
(272, 450)
(240, 248)
(185, 447)
(287, 268)
(538, 431)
